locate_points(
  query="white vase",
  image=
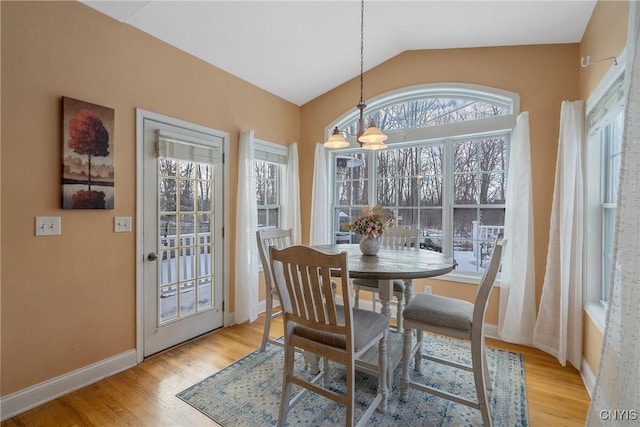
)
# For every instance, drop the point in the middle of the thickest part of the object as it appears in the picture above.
(369, 245)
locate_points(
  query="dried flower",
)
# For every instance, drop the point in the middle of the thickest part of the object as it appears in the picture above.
(372, 221)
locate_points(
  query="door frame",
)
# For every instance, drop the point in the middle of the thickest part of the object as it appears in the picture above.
(141, 115)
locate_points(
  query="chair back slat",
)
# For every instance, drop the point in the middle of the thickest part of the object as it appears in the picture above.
(304, 274)
(401, 238)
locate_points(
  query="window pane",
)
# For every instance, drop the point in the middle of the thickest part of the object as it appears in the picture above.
(408, 218)
(387, 163)
(431, 232)
(608, 226)
(272, 184)
(351, 179)
(465, 189)
(274, 217)
(465, 157)
(408, 192)
(492, 188)
(387, 192)
(431, 111)
(262, 218)
(475, 231)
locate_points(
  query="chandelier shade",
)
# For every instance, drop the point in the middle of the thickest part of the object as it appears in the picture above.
(372, 138)
(336, 140)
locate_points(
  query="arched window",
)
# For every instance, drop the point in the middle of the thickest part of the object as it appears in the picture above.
(444, 170)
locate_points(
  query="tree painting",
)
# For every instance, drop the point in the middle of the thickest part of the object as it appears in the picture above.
(87, 158)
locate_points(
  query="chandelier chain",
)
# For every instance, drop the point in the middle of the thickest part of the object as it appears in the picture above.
(362, 52)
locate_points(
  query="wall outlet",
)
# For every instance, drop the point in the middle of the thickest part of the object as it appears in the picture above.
(122, 224)
(427, 289)
(48, 226)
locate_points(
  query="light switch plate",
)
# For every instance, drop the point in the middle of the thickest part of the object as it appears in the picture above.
(122, 224)
(48, 226)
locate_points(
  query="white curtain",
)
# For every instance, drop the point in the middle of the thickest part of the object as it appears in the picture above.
(246, 284)
(291, 196)
(558, 330)
(517, 316)
(320, 232)
(618, 382)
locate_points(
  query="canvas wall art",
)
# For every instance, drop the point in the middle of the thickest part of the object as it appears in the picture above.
(87, 155)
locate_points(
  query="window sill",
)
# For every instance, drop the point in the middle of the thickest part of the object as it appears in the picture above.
(470, 279)
(598, 313)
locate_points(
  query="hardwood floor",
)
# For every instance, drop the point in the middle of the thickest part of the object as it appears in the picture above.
(145, 395)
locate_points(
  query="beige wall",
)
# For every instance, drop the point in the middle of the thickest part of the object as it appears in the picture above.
(69, 301)
(605, 36)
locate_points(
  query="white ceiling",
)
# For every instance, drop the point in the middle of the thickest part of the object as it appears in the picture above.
(299, 50)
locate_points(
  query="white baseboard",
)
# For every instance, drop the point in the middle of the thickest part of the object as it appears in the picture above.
(588, 377)
(23, 400)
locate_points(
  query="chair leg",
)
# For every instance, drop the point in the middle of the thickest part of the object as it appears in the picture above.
(326, 377)
(418, 355)
(383, 374)
(487, 378)
(478, 365)
(289, 355)
(350, 391)
(406, 354)
(267, 322)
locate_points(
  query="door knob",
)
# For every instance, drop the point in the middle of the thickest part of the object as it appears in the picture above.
(152, 256)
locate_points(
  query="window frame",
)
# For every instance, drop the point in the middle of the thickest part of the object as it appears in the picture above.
(447, 135)
(602, 108)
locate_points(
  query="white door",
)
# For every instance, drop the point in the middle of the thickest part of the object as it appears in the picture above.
(182, 234)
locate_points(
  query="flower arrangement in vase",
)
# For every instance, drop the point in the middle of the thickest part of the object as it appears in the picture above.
(371, 224)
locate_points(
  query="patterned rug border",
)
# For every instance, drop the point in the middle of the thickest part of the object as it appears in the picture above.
(234, 400)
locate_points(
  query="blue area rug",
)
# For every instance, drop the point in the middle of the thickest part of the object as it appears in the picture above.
(247, 393)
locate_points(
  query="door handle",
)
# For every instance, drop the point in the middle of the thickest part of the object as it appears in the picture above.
(152, 256)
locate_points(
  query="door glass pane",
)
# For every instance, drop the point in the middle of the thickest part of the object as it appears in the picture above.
(168, 303)
(187, 298)
(185, 236)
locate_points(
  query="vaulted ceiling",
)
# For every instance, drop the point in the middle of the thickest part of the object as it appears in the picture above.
(299, 50)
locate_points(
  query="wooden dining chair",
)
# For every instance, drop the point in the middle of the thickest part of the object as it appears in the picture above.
(454, 318)
(279, 238)
(314, 322)
(396, 238)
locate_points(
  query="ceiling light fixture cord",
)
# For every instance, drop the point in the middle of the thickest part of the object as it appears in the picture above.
(371, 138)
(362, 52)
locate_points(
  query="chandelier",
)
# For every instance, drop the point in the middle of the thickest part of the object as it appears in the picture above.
(371, 138)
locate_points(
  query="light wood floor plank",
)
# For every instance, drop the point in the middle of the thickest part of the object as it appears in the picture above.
(145, 394)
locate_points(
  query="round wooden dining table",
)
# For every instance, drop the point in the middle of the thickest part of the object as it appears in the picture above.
(390, 264)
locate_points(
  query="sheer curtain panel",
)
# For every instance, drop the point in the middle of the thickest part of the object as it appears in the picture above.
(246, 283)
(558, 330)
(517, 316)
(616, 395)
(320, 221)
(291, 196)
